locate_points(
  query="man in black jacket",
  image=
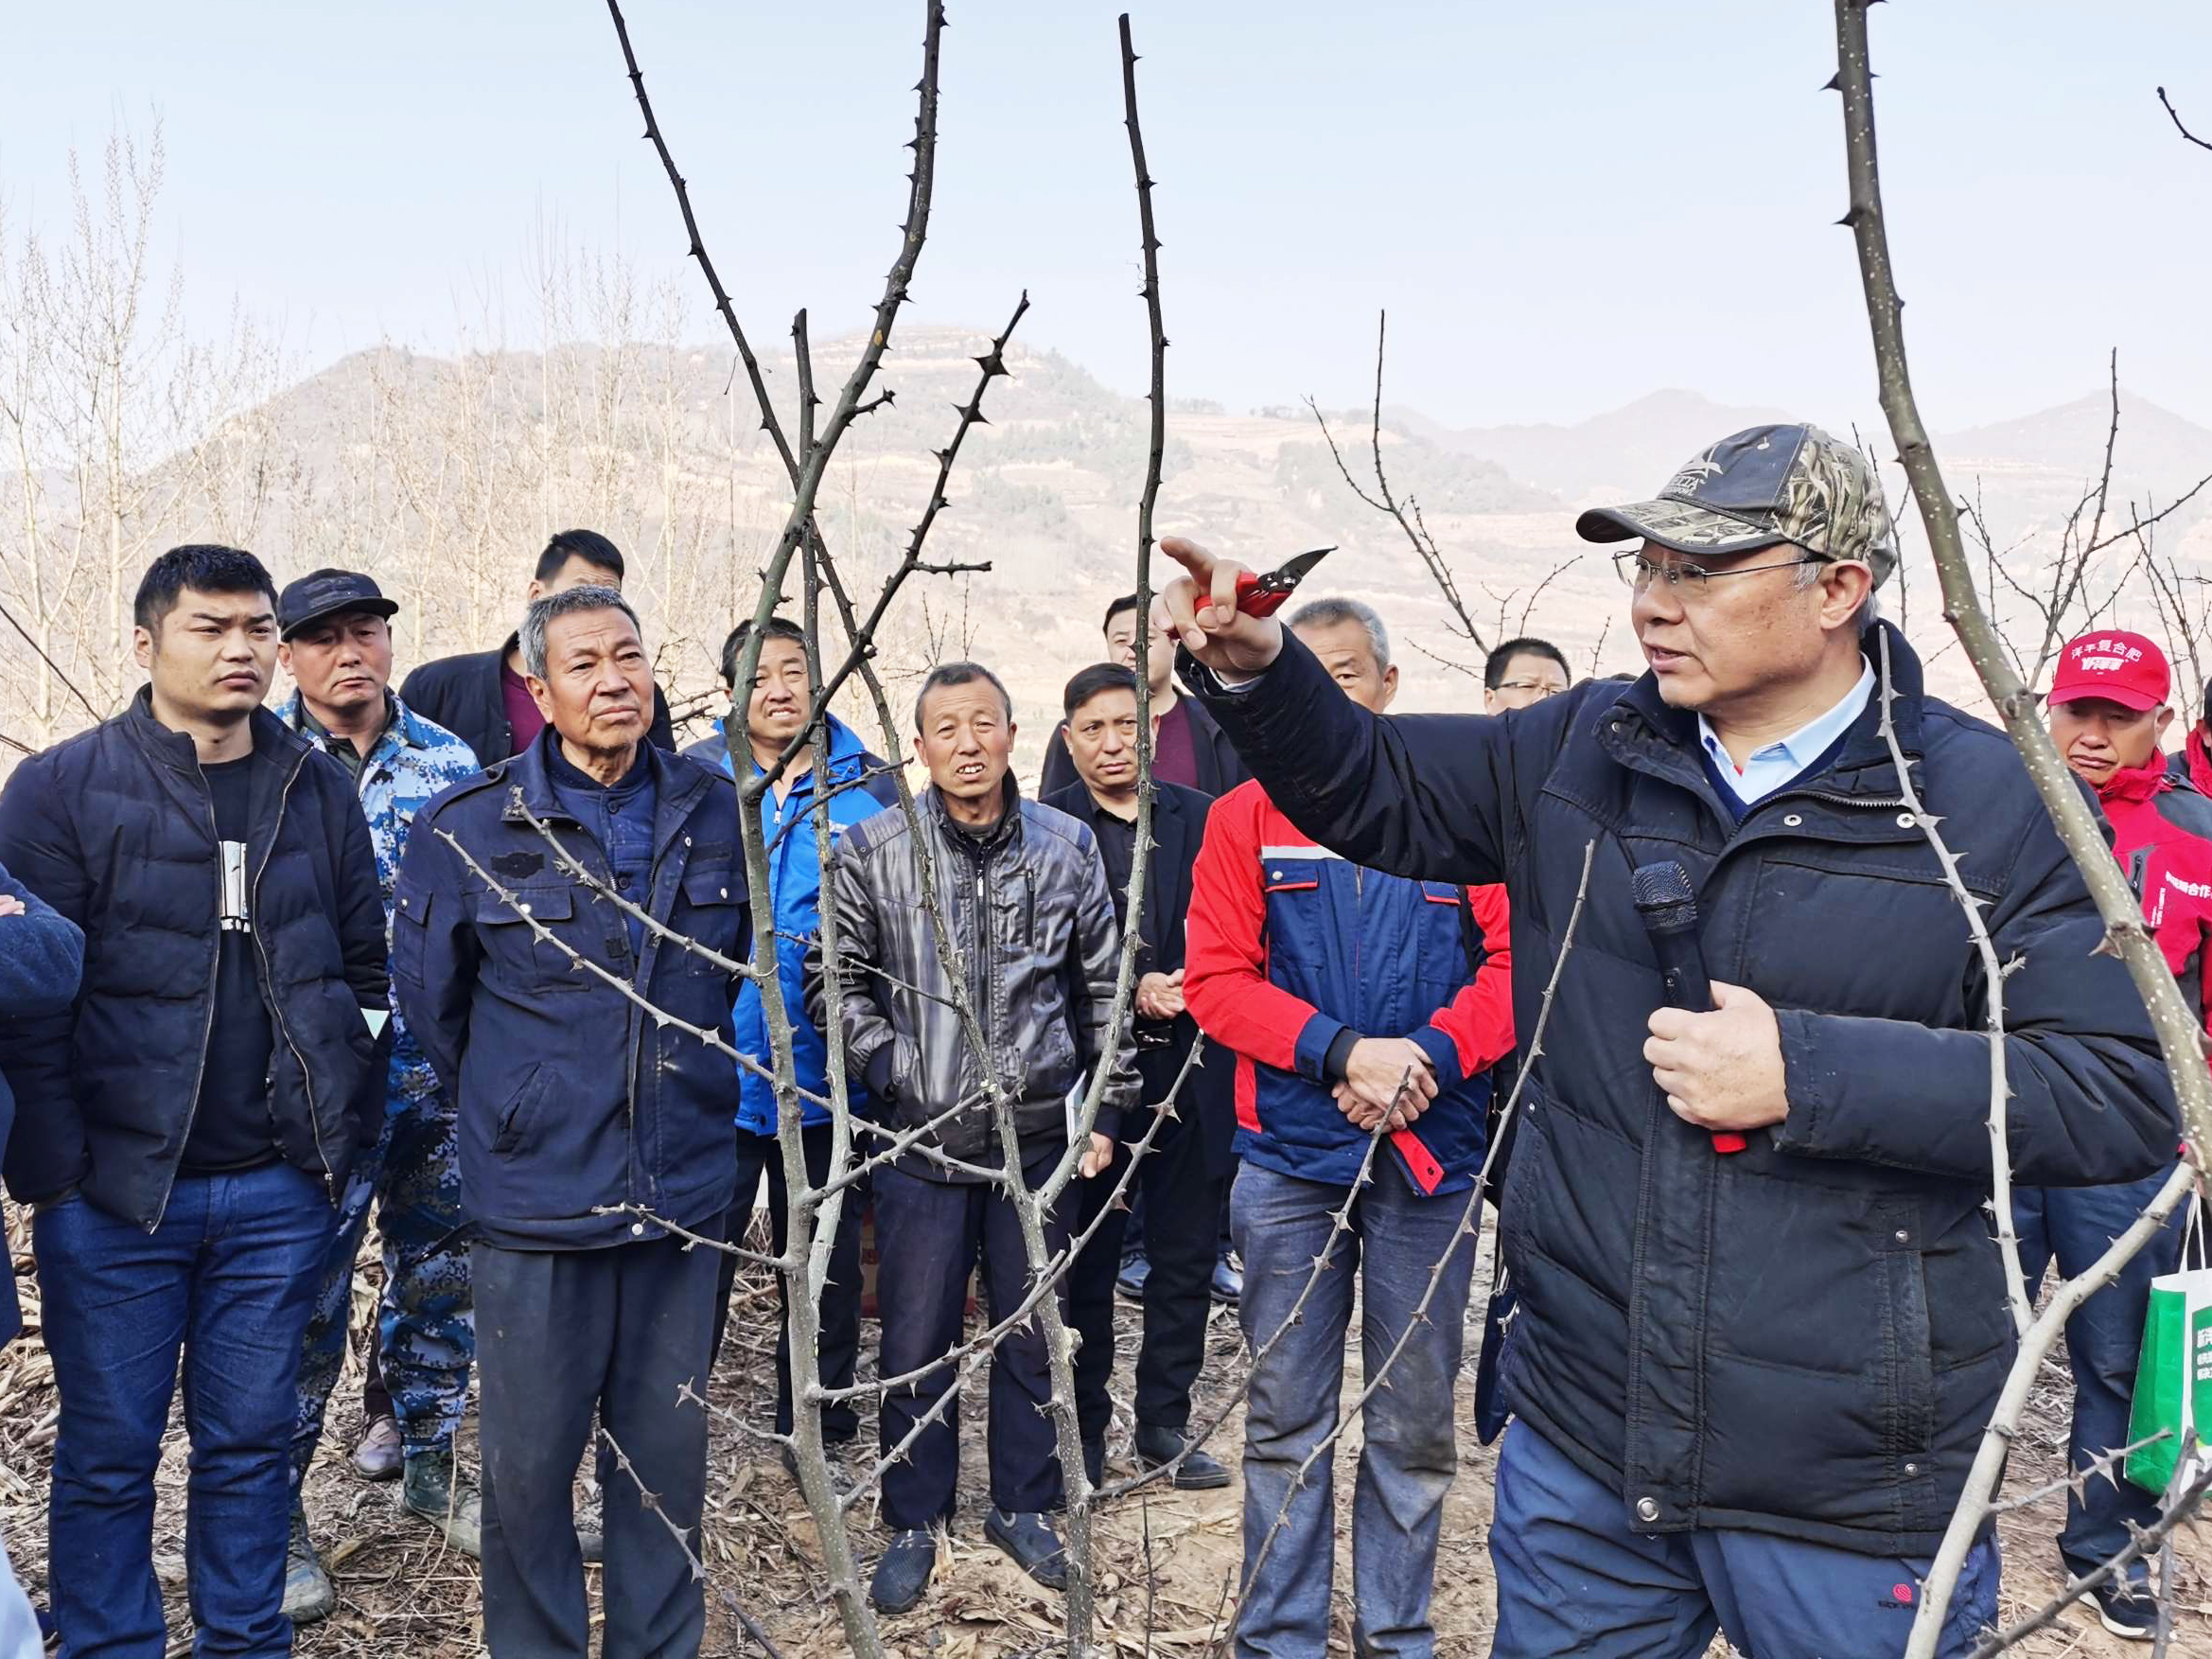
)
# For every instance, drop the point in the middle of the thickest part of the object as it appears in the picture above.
(1188, 746)
(586, 1120)
(185, 1125)
(1186, 1168)
(1747, 1385)
(1025, 895)
(482, 697)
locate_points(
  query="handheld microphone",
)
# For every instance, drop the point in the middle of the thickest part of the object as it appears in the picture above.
(1662, 894)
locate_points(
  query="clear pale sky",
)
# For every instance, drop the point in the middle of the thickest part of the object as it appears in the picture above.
(1564, 206)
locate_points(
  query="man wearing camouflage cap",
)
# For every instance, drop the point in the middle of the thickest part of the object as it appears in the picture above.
(1762, 1321)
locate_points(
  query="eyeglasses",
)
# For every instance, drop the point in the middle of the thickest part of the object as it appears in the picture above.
(1536, 687)
(1639, 572)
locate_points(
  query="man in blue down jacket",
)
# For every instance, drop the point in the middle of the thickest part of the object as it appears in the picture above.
(1747, 1387)
(41, 952)
(525, 989)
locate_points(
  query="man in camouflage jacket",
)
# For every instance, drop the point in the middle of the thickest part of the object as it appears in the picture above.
(338, 645)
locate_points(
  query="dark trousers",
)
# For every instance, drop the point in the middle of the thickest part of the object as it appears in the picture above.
(837, 1338)
(930, 1236)
(1183, 1201)
(227, 1279)
(561, 1333)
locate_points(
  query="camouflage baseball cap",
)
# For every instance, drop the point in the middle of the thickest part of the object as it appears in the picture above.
(1764, 484)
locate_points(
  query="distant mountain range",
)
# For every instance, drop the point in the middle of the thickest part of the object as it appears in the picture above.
(1047, 493)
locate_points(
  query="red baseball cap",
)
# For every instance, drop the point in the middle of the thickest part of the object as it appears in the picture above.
(2120, 667)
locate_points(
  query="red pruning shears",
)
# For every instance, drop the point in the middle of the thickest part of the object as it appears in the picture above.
(1264, 595)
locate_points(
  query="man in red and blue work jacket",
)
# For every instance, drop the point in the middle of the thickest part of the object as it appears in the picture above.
(1350, 998)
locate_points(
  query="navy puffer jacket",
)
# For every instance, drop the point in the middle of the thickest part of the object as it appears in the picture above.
(1806, 1338)
(115, 829)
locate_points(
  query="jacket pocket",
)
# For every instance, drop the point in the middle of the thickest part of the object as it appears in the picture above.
(518, 1118)
(1911, 1405)
(714, 906)
(514, 948)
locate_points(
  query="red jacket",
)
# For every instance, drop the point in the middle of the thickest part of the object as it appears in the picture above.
(2162, 835)
(1289, 949)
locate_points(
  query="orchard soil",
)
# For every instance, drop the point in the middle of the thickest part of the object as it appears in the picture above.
(1168, 1560)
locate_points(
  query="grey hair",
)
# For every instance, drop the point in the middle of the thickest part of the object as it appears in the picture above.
(565, 603)
(1869, 611)
(1333, 611)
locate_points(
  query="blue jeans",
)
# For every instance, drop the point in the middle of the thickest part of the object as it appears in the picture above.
(1573, 1579)
(19, 1626)
(1397, 1237)
(2104, 1339)
(227, 1278)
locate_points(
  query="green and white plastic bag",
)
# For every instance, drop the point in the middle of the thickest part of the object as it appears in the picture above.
(2173, 1379)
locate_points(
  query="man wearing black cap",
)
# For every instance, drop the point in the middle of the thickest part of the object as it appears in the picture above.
(1761, 1319)
(335, 642)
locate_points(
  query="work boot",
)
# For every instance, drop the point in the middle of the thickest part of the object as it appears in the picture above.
(1196, 1472)
(377, 1456)
(308, 1594)
(903, 1575)
(1032, 1544)
(448, 1499)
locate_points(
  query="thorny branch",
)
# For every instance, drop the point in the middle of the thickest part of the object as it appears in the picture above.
(2126, 932)
(651, 1500)
(1994, 972)
(2200, 142)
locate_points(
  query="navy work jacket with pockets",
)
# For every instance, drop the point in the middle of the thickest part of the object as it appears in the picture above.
(1807, 1337)
(573, 1099)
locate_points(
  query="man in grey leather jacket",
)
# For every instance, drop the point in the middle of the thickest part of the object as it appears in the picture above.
(1024, 891)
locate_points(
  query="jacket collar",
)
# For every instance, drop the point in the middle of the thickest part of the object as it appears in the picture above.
(1663, 740)
(676, 789)
(1009, 821)
(274, 739)
(848, 755)
(2130, 784)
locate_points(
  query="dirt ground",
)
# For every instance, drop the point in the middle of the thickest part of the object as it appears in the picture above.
(402, 1593)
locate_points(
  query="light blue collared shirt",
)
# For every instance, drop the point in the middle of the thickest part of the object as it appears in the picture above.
(1781, 762)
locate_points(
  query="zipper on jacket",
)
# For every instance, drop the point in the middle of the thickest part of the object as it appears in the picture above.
(207, 1031)
(268, 974)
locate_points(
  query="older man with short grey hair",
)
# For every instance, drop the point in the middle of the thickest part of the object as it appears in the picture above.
(588, 1126)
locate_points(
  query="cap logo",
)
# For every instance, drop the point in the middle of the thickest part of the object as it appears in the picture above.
(2105, 656)
(1696, 473)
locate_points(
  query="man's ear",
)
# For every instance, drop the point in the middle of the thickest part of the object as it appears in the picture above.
(1843, 587)
(142, 646)
(1389, 685)
(2165, 719)
(284, 656)
(542, 695)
